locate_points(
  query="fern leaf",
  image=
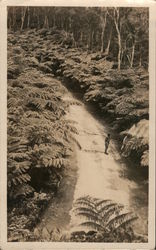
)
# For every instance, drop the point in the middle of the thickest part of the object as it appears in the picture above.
(22, 167)
(104, 207)
(112, 210)
(100, 203)
(25, 177)
(85, 203)
(86, 210)
(127, 222)
(118, 220)
(90, 216)
(19, 156)
(12, 102)
(92, 224)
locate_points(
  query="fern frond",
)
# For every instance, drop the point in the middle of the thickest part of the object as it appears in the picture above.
(19, 156)
(36, 104)
(90, 216)
(118, 220)
(21, 167)
(102, 215)
(85, 210)
(127, 222)
(86, 203)
(102, 202)
(12, 102)
(105, 207)
(17, 148)
(106, 216)
(20, 179)
(92, 224)
(56, 162)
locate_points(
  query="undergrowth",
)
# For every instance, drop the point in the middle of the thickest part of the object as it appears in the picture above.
(39, 142)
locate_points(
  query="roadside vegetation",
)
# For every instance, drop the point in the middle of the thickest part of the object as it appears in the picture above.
(109, 67)
(40, 141)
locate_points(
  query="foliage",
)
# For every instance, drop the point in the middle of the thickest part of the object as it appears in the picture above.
(137, 140)
(39, 141)
(102, 215)
(122, 96)
(89, 28)
(104, 221)
(23, 217)
(39, 137)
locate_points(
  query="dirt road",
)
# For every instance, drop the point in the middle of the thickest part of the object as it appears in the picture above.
(99, 175)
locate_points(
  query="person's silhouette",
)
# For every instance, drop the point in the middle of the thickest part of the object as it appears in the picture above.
(107, 141)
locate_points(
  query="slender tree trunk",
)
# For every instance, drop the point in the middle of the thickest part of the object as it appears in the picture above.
(38, 19)
(54, 21)
(129, 60)
(14, 18)
(92, 39)
(24, 9)
(81, 37)
(102, 40)
(9, 21)
(116, 22)
(28, 23)
(119, 53)
(103, 21)
(140, 61)
(108, 44)
(70, 24)
(132, 56)
(46, 22)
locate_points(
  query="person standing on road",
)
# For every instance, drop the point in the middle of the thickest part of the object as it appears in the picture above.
(107, 141)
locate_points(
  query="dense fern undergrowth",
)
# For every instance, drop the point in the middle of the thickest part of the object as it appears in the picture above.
(39, 141)
(122, 96)
(39, 137)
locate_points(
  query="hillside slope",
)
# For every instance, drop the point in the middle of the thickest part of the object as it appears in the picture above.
(121, 97)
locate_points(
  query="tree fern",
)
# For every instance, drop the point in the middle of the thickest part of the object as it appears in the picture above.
(102, 215)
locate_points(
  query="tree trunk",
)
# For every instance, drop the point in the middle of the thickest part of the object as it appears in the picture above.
(102, 41)
(109, 42)
(28, 23)
(119, 53)
(38, 19)
(140, 61)
(46, 22)
(54, 20)
(128, 59)
(81, 37)
(14, 18)
(9, 18)
(116, 22)
(92, 40)
(132, 56)
(24, 9)
(103, 21)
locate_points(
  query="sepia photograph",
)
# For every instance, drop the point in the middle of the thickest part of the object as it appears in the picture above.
(78, 124)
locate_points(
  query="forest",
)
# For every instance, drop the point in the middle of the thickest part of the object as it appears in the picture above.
(100, 55)
(121, 34)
